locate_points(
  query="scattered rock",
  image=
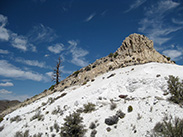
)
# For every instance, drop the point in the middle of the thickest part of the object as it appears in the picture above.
(111, 120)
(111, 75)
(123, 96)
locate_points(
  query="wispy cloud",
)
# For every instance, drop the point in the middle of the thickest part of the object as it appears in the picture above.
(41, 33)
(17, 41)
(90, 17)
(135, 5)
(21, 43)
(174, 54)
(78, 54)
(10, 71)
(154, 25)
(4, 51)
(179, 22)
(4, 34)
(4, 91)
(35, 63)
(7, 84)
(57, 48)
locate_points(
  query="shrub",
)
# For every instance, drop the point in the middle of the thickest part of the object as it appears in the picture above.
(56, 111)
(92, 125)
(168, 58)
(120, 114)
(175, 88)
(88, 107)
(20, 134)
(50, 100)
(38, 135)
(110, 55)
(93, 133)
(52, 87)
(51, 129)
(76, 73)
(169, 128)
(56, 127)
(37, 116)
(115, 54)
(113, 106)
(84, 83)
(16, 118)
(130, 109)
(88, 68)
(110, 67)
(73, 126)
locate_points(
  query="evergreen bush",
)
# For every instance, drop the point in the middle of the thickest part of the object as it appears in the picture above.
(169, 128)
(88, 107)
(73, 126)
(175, 88)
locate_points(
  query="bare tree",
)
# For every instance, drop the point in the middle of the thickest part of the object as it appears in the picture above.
(57, 74)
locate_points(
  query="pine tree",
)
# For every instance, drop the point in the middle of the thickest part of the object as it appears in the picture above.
(57, 74)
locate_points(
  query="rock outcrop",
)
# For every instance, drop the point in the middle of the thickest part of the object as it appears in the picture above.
(135, 49)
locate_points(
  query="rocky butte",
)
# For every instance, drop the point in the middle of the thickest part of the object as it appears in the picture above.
(135, 49)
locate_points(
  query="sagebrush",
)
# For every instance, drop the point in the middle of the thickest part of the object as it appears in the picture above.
(73, 126)
(175, 87)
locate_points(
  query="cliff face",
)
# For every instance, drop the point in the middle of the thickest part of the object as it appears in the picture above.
(135, 49)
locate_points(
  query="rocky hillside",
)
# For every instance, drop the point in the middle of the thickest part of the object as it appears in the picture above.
(4, 104)
(135, 49)
(125, 102)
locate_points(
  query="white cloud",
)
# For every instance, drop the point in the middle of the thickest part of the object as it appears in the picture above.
(179, 22)
(135, 5)
(4, 91)
(41, 33)
(7, 84)
(46, 55)
(10, 71)
(153, 24)
(78, 54)
(49, 74)
(21, 43)
(4, 34)
(35, 63)
(17, 41)
(4, 51)
(173, 54)
(57, 48)
(89, 18)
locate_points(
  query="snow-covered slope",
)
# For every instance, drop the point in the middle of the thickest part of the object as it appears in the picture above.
(144, 84)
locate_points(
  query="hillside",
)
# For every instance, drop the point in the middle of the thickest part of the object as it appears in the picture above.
(135, 49)
(4, 104)
(144, 85)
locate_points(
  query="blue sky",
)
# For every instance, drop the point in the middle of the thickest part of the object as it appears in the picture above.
(34, 33)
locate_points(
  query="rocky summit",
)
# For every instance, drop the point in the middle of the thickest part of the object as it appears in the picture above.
(135, 49)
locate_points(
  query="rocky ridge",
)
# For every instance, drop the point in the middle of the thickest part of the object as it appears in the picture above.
(135, 49)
